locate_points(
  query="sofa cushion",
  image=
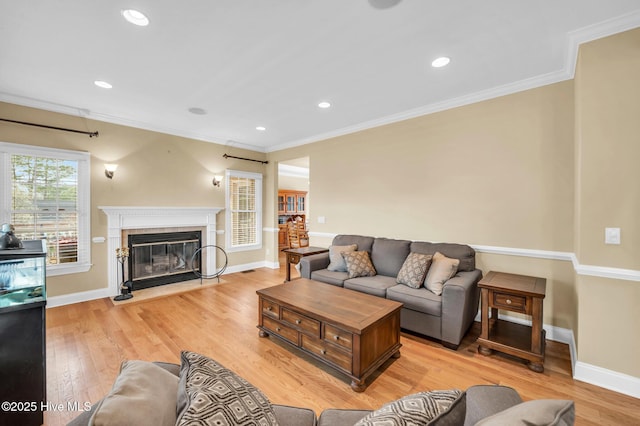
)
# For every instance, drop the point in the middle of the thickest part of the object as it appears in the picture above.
(444, 407)
(364, 243)
(416, 299)
(538, 412)
(340, 417)
(143, 394)
(465, 253)
(336, 261)
(388, 255)
(359, 264)
(329, 277)
(208, 393)
(442, 268)
(414, 270)
(376, 285)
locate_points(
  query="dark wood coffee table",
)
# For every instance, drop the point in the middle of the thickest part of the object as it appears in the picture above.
(352, 332)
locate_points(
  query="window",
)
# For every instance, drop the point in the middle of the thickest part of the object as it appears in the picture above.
(45, 195)
(243, 211)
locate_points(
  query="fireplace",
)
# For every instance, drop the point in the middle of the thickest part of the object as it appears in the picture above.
(163, 258)
(122, 220)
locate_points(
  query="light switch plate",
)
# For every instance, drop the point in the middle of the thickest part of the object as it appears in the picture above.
(322, 219)
(612, 235)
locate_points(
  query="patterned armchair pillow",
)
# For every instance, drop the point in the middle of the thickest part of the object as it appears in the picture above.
(210, 394)
(440, 407)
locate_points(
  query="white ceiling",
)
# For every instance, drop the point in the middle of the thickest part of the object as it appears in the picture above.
(269, 62)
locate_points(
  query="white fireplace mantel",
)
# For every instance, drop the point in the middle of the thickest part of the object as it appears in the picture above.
(125, 217)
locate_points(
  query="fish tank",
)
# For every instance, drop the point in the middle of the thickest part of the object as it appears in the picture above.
(23, 274)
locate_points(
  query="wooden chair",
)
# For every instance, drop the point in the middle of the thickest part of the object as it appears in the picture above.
(298, 235)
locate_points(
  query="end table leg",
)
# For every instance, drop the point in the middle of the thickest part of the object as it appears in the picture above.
(538, 367)
(263, 333)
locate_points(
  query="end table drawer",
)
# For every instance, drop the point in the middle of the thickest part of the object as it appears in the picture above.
(327, 352)
(281, 330)
(510, 302)
(338, 337)
(301, 322)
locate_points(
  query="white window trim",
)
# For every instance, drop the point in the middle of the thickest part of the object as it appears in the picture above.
(228, 236)
(84, 199)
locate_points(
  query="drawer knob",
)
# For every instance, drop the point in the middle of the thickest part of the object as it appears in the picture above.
(323, 352)
(336, 337)
(298, 321)
(508, 301)
(270, 308)
(278, 329)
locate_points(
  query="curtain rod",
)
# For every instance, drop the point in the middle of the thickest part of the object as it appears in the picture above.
(246, 159)
(91, 134)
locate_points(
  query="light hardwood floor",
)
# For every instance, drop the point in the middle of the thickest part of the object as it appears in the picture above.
(86, 342)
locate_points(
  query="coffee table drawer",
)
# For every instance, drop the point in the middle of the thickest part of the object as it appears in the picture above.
(270, 308)
(281, 330)
(327, 352)
(338, 336)
(303, 323)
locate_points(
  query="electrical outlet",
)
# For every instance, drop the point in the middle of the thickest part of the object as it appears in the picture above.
(612, 235)
(322, 219)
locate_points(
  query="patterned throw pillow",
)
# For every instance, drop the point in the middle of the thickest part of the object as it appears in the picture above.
(414, 270)
(422, 408)
(359, 264)
(336, 261)
(209, 394)
(442, 268)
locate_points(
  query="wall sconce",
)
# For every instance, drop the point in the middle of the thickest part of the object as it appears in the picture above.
(109, 170)
(217, 180)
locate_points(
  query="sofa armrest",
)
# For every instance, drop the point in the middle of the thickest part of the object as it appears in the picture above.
(486, 400)
(460, 297)
(294, 416)
(315, 262)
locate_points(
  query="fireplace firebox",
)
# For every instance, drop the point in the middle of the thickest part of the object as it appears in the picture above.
(163, 258)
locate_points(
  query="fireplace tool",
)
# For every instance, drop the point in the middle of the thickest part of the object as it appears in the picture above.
(122, 254)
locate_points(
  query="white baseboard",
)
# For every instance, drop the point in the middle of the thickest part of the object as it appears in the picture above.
(84, 296)
(607, 379)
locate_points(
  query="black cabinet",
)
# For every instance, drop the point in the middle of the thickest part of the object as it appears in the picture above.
(22, 336)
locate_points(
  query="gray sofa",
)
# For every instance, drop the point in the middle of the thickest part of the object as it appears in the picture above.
(478, 405)
(446, 317)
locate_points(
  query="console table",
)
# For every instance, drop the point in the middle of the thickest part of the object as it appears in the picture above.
(295, 254)
(516, 293)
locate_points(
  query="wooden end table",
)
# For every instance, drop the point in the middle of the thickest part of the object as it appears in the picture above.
(515, 293)
(295, 254)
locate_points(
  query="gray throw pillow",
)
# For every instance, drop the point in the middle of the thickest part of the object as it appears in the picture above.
(143, 394)
(210, 394)
(414, 270)
(336, 261)
(538, 412)
(359, 264)
(439, 407)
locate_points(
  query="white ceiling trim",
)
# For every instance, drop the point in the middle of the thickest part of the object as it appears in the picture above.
(574, 39)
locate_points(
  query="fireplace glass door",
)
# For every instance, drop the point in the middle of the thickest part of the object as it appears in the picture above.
(163, 258)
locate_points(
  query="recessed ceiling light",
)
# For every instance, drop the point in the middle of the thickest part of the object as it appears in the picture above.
(197, 111)
(261, 128)
(324, 104)
(440, 62)
(102, 84)
(135, 17)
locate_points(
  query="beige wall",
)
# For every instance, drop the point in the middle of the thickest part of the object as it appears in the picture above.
(608, 195)
(154, 169)
(545, 169)
(496, 173)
